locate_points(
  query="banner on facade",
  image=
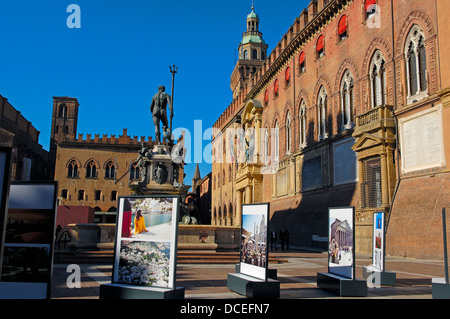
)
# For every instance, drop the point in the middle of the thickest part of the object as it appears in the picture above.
(27, 252)
(254, 233)
(146, 241)
(341, 241)
(378, 241)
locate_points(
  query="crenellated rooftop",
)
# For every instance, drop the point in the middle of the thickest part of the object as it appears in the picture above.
(310, 21)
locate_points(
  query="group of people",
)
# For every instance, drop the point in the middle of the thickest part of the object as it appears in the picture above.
(284, 239)
(335, 253)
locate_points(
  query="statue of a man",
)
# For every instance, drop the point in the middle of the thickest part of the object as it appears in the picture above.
(158, 107)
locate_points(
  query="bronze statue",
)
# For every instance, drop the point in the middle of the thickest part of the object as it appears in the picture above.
(158, 107)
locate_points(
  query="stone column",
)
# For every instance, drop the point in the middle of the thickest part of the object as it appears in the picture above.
(238, 208)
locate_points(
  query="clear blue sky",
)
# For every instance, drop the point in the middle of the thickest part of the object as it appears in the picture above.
(114, 63)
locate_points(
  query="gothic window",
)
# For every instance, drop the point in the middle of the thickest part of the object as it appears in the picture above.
(110, 170)
(320, 46)
(347, 100)
(377, 79)
(72, 169)
(134, 171)
(322, 113)
(266, 96)
(343, 28)
(302, 62)
(302, 124)
(245, 54)
(416, 65)
(288, 134)
(276, 141)
(91, 170)
(266, 146)
(275, 87)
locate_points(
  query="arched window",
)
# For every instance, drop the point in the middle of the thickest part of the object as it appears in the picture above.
(266, 96)
(110, 170)
(416, 64)
(91, 170)
(276, 141)
(64, 193)
(72, 169)
(322, 113)
(378, 79)
(254, 54)
(245, 54)
(302, 124)
(371, 8)
(347, 100)
(302, 62)
(288, 134)
(320, 46)
(287, 75)
(97, 195)
(343, 28)
(113, 195)
(80, 194)
(275, 87)
(266, 146)
(134, 171)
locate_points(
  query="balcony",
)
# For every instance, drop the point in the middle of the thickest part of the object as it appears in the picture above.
(374, 120)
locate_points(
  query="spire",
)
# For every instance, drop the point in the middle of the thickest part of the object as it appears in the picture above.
(197, 172)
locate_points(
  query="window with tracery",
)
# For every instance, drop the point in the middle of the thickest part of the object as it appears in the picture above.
(378, 79)
(416, 65)
(322, 101)
(110, 170)
(302, 124)
(72, 169)
(347, 100)
(91, 170)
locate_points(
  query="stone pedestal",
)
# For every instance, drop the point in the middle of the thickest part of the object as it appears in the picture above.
(119, 291)
(253, 287)
(342, 286)
(378, 277)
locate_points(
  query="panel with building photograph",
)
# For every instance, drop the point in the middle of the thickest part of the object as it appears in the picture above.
(341, 241)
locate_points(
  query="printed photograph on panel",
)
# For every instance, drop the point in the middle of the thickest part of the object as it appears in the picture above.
(341, 241)
(144, 263)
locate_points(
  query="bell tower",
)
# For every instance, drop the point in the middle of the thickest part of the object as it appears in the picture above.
(252, 52)
(64, 122)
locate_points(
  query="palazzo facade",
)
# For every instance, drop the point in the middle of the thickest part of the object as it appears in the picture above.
(351, 108)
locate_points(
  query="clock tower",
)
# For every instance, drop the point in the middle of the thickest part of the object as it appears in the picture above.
(252, 54)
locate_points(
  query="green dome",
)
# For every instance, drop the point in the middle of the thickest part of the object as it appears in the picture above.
(252, 15)
(252, 38)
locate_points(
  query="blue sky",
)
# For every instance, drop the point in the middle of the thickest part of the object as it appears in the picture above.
(114, 63)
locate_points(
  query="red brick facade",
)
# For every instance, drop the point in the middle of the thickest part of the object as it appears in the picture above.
(367, 79)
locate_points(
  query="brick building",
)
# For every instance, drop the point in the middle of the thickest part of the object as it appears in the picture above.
(349, 109)
(93, 170)
(29, 160)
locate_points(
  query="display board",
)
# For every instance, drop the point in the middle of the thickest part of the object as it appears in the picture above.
(378, 241)
(27, 252)
(146, 241)
(254, 234)
(341, 234)
(5, 172)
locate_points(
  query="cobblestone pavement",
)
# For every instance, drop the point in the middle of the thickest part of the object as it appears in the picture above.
(297, 277)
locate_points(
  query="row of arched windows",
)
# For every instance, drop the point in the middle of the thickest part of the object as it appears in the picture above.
(416, 83)
(92, 169)
(81, 195)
